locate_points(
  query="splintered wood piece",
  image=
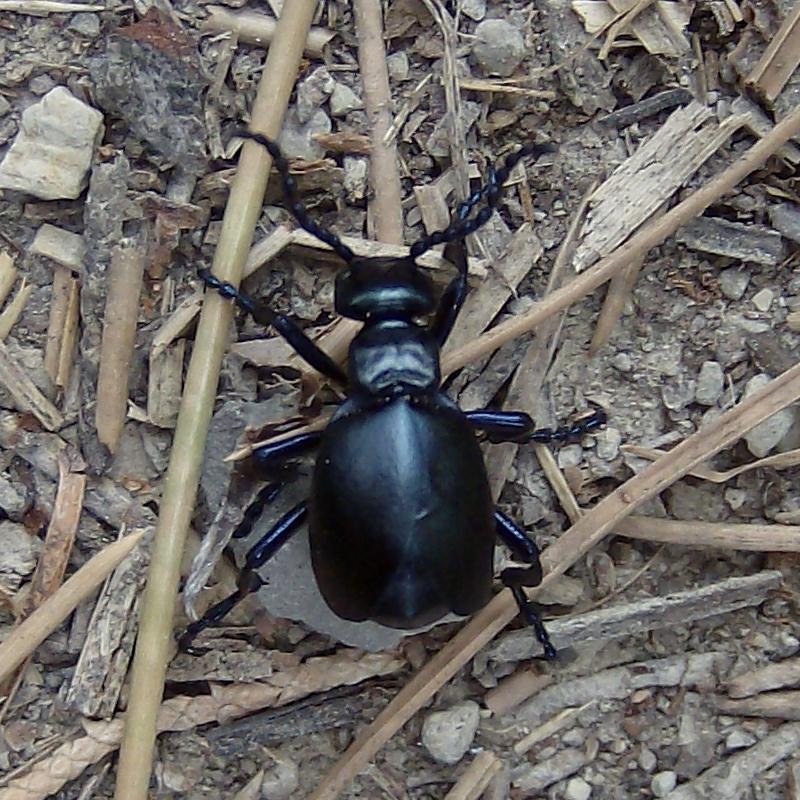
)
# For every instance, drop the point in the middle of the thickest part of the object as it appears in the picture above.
(258, 29)
(476, 777)
(164, 383)
(177, 324)
(646, 180)
(780, 59)
(772, 676)
(13, 311)
(30, 633)
(515, 689)
(125, 275)
(26, 396)
(553, 725)
(60, 537)
(485, 302)
(63, 326)
(756, 243)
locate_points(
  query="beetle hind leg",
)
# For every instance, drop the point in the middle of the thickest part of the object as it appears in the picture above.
(515, 578)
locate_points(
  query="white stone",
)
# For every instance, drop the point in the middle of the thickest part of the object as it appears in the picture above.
(577, 789)
(52, 154)
(767, 434)
(343, 100)
(762, 300)
(63, 247)
(710, 383)
(663, 783)
(447, 735)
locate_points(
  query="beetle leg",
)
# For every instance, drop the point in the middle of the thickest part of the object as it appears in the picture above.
(249, 580)
(517, 426)
(283, 325)
(525, 549)
(279, 450)
(454, 295)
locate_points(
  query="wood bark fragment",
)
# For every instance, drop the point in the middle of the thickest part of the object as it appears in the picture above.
(125, 275)
(772, 676)
(734, 776)
(775, 705)
(164, 382)
(515, 689)
(653, 613)
(25, 393)
(646, 180)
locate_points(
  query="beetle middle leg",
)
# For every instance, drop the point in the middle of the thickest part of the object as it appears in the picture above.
(249, 581)
(525, 549)
(517, 426)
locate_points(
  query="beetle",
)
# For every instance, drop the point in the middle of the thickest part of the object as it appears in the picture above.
(402, 525)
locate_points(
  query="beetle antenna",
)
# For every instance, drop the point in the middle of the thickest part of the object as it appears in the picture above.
(463, 225)
(295, 204)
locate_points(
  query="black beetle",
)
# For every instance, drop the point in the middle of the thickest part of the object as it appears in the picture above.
(401, 521)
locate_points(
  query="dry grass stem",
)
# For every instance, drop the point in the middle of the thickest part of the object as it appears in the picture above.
(473, 782)
(555, 724)
(125, 274)
(30, 633)
(259, 29)
(499, 87)
(773, 538)
(620, 288)
(790, 458)
(590, 529)
(650, 236)
(180, 486)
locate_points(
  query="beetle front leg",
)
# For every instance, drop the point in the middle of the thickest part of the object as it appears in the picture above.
(249, 580)
(517, 426)
(525, 549)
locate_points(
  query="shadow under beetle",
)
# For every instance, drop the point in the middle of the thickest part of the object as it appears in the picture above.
(402, 525)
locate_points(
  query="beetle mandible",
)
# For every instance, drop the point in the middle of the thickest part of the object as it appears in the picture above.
(402, 525)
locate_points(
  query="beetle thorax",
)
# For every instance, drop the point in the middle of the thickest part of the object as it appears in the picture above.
(392, 357)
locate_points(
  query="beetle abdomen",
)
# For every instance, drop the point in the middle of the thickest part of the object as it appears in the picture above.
(407, 534)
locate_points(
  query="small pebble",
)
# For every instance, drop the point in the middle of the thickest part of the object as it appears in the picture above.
(733, 283)
(397, 66)
(447, 735)
(577, 789)
(498, 47)
(312, 93)
(281, 779)
(622, 362)
(647, 759)
(474, 9)
(738, 739)
(570, 455)
(710, 383)
(762, 300)
(343, 100)
(85, 24)
(663, 783)
(769, 433)
(608, 441)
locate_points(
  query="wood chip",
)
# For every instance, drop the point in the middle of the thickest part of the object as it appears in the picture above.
(772, 676)
(780, 59)
(25, 393)
(755, 243)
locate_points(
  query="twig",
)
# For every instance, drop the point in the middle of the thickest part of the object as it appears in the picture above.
(637, 246)
(40, 7)
(13, 311)
(180, 486)
(556, 559)
(552, 726)
(471, 785)
(259, 29)
(773, 538)
(62, 330)
(734, 776)
(773, 676)
(780, 59)
(515, 689)
(125, 274)
(777, 705)
(28, 635)
(8, 275)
